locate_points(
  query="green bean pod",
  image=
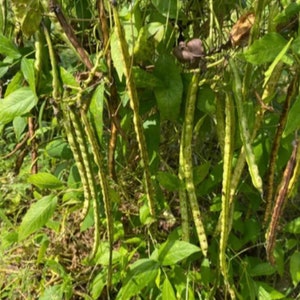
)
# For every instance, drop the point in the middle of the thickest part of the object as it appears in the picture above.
(245, 136)
(226, 216)
(134, 103)
(187, 135)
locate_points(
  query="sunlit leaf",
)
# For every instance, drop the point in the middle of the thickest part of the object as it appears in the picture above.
(16, 104)
(295, 267)
(168, 291)
(37, 216)
(269, 292)
(8, 48)
(54, 292)
(27, 68)
(293, 226)
(265, 49)
(28, 14)
(293, 121)
(45, 181)
(173, 251)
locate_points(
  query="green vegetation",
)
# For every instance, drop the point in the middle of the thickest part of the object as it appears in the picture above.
(127, 174)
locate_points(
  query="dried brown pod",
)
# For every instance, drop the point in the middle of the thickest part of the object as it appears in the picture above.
(190, 52)
(240, 32)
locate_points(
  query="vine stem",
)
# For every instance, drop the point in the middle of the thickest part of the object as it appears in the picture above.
(134, 104)
(187, 164)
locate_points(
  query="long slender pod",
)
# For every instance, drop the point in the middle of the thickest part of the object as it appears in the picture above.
(83, 146)
(281, 197)
(56, 94)
(134, 103)
(104, 188)
(187, 160)
(78, 145)
(73, 142)
(291, 93)
(245, 135)
(226, 183)
(266, 96)
(182, 195)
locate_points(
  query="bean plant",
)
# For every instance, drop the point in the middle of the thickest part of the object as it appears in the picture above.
(149, 149)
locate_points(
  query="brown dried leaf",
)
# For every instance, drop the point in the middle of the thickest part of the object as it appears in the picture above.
(240, 32)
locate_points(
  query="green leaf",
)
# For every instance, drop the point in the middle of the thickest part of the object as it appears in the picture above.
(28, 13)
(293, 226)
(96, 109)
(168, 180)
(45, 181)
(59, 149)
(287, 14)
(200, 172)
(19, 124)
(265, 49)
(37, 216)
(145, 216)
(296, 45)
(8, 48)
(295, 267)
(262, 269)
(168, 291)
(54, 292)
(68, 78)
(206, 99)
(27, 68)
(293, 121)
(168, 96)
(167, 8)
(15, 83)
(173, 251)
(144, 79)
(206, 272)
(263, 294)
(17, 104)
(268, 290)
(143, 46)
(142, 273)
(97, 285)
(276, 60)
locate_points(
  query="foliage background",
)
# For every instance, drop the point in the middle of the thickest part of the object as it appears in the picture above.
(98, 160)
